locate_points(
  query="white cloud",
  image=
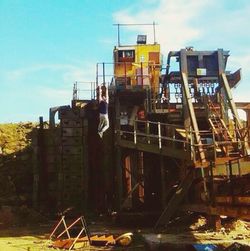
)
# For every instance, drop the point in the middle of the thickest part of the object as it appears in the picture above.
(58, 95)
(174, 17)
(241, 61)
(43, 86)
(69, 73)
(206, 24)
(241, 92)
(18, 74)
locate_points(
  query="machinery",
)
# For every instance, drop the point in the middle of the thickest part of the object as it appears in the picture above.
(175, 139)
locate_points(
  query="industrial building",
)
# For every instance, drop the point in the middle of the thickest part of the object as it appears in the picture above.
(175, 140)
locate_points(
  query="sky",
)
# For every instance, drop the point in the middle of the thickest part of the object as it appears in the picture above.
(47, 45)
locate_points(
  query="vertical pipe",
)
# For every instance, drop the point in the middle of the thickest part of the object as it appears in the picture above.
(239, 168)
(96, 75)
(174, 136)
(125, 71)
(159, 133)
(41, 123)
(154, 31)
(214, 144)
(192, 144)
(193, 118)
(103, 73)
(77, 93)
(187, 138)
(141, 74)
(147, 131)
(93, 90)
(231, 180)
(163, 183)
(118, 34)
(85, 165)
(135, 139)
(212, 184)
(149, 100)
(118, 157)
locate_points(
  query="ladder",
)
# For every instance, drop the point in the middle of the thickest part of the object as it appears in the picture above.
(220, 130)
(219, 127)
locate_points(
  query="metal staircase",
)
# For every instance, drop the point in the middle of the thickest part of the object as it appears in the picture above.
(220, 129)
(175, 201)
(225, 141)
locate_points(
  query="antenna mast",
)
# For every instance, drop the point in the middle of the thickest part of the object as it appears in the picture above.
(119, 25)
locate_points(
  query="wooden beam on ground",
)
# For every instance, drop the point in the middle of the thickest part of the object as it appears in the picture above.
(239, 212)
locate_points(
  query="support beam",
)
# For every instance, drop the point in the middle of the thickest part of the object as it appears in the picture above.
(193, 117)
(214, 221)
(195, 127)
(230, 100)
(85, 169)
(118, 178)
(175, 201)
(163, 183)
(118, 157)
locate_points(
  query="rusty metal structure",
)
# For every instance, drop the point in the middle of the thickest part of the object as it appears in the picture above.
(175, 141)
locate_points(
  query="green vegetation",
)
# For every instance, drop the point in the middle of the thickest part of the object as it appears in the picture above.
(15, 137)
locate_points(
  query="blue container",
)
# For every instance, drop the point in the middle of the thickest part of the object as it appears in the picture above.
(205, 247)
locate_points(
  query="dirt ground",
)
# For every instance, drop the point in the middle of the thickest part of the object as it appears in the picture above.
(35, 238)
(20, 238)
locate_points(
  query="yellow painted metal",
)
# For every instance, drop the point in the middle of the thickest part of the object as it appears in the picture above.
(143, 68)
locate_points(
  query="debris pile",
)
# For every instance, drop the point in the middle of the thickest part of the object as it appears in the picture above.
(237, 230)
(200, 222)
(77, 235)
(232, 231)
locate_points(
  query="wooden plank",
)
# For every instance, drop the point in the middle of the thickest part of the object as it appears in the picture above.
(237, 200)
(240, 212)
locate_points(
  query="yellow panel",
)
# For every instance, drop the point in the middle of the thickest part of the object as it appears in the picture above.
(145, 70)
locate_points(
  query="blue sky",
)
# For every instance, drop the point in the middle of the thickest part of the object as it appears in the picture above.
(47, 45)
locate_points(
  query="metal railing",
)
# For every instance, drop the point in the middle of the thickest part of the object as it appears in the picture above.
(170, 135)
(83, 90)
(161, 135)
(127, 73)
(234, 173)
(177, 137)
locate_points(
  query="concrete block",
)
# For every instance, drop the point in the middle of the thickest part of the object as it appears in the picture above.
(72, 141)
(71, 123)
(72, 150)
(69, 132)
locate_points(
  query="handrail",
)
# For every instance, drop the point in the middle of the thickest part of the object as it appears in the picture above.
(239, 158)
(156, 123)
(152, 136)
(102, 72)
(163, 133)
(89, 92)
